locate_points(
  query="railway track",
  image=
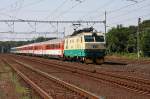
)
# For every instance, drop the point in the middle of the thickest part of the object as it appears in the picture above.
(25, 71)
(139, 85)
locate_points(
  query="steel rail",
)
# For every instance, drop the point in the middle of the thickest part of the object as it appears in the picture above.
(135, 84)
(86, 94)
(40, 91)
(134, 79)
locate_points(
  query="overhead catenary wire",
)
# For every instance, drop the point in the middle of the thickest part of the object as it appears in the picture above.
(69, 9)
(129, 19)
(63, 12)
(20, 7)
(56, 10)
(6, 7)
(9, 32)
(120, 8)
(16, 9)
(96, 10)
(66, 11)
(23, 6)
(129, 12)
(124, 7)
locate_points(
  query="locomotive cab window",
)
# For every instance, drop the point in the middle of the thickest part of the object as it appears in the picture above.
(99, 38)
(89, 38)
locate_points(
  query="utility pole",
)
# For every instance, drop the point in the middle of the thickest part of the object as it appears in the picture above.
(34, 39)
(64, 32)
(138, 39)
(105, 24)
(2, 49)
(57, 31)
(13, 27)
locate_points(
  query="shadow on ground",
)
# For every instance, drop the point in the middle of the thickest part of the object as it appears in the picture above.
(114, 63)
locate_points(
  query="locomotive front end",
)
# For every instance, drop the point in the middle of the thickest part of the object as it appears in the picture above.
(94, 48)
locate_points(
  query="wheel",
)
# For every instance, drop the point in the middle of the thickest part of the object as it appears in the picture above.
(88, 60)
(99, 60)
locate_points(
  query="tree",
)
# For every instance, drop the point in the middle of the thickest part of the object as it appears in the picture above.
(121, 39)
(145, 42)
(124, 39)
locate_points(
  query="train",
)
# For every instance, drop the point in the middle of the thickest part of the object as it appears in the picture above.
(84, 45)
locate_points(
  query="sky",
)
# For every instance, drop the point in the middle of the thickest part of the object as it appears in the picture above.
(124, 12)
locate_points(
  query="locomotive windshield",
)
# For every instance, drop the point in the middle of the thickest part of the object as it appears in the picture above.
(90, 38)
(99, 38)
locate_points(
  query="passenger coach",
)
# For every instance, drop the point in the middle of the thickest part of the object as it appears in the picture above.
(51, 48)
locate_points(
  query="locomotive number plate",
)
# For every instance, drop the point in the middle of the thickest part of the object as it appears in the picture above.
(95, 46)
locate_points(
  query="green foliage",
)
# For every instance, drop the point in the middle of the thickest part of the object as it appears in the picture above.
(124, 39)
(22, 91)
(145, 25)
(126, 55)
(145, 42)
(121, 39)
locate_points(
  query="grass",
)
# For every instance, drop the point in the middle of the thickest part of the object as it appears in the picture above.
(131, 56)
(20, 90)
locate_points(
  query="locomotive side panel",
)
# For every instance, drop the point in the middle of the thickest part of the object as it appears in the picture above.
(74, 47)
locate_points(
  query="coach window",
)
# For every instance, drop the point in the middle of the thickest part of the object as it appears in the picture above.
(35, 47)
(48, 47)
(51, 46)
(55, 46)
(58, 45)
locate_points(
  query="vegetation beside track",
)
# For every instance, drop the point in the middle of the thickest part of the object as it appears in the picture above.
(11, 86)
(123, 40)
(130, 56)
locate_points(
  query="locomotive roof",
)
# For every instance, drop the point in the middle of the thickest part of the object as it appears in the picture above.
(85, 30)
(85, 33)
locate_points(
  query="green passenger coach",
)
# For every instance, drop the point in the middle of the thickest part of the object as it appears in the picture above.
(88, 47)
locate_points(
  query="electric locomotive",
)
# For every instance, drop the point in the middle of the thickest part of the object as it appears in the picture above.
(85, 45)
